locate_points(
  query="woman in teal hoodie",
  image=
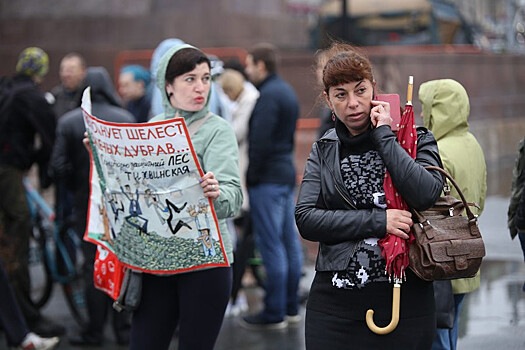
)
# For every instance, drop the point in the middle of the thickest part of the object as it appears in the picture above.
(194, 301)
(446, 110)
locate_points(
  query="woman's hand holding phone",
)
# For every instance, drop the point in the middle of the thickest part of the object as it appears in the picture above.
(380, 114)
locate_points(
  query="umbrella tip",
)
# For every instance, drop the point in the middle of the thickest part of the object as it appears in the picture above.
(411, 79)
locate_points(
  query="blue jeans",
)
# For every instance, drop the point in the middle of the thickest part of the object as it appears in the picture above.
(448, 338)
(276, 238)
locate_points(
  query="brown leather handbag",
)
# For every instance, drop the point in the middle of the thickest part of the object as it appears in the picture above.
(448, 244)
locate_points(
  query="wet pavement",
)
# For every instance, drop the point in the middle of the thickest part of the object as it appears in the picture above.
(493, 316)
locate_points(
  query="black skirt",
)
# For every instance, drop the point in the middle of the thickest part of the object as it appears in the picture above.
(325, 332)
(335, 318)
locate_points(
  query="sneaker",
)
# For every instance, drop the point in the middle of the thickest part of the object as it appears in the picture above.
(35, 342)
(239, 307)
(293, 319)
(257, 322)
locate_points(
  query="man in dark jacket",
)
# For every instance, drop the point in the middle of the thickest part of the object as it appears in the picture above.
(520, 224)
(28, 114)
(68, 93)
(271, 182)
(70, 164)
(516, 211)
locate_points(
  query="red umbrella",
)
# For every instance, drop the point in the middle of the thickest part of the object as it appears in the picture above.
(393, 248)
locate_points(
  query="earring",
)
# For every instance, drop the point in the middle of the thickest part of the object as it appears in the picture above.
(333, 116)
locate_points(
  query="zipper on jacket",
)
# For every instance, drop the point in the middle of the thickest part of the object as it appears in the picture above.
(342, 195)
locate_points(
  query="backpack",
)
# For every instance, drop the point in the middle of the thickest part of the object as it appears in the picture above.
(8, 91)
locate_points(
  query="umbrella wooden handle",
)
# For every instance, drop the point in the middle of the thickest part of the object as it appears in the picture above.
(410, 89)
(395, 314)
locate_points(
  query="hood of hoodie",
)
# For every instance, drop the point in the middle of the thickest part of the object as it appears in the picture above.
(102, 89)
(160, 81)
(159, 51)
(446, 107)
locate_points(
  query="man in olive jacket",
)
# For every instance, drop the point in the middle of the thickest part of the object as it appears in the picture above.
(446, 110)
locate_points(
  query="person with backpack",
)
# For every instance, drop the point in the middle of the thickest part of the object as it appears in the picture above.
(24, 114)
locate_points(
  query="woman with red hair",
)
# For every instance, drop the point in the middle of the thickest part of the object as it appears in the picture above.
(341, 205)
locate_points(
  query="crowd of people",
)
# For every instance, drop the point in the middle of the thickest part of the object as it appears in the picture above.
(246, 115)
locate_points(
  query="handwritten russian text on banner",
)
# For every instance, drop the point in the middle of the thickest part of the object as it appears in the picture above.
(146, 203)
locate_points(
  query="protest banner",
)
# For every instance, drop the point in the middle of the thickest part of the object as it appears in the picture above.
(146, 202)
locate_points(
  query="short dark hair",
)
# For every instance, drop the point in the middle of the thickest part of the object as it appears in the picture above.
(267, 53)
(183, 61)
(77, 55)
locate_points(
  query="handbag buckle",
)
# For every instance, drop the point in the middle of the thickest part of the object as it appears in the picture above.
(451, 211)
(118, 306)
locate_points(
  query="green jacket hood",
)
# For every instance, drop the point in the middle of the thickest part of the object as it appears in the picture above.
(160, 81)
(445, 111)
(445, 107)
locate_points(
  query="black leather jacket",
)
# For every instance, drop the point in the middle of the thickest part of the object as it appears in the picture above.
(325, 212)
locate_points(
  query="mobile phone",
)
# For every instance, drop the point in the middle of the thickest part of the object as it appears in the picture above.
(395, 108)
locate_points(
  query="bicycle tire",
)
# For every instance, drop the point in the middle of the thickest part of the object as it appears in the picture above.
(73, 283)
(41, 279)
(74, 293)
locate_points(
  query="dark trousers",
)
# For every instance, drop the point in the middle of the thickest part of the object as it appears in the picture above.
(15, 219)
(11, 319)
(194, 301)
(99, 304)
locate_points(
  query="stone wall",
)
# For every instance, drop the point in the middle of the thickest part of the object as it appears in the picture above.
(101, 29)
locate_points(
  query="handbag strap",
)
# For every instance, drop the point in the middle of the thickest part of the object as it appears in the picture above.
(446, 176)
(195, 126)
(119, 304)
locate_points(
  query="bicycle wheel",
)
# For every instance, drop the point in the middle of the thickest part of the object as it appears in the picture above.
(74, 292)
(73, 286)
(39, 272)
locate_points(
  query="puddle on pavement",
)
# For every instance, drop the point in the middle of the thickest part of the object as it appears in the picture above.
(498, 303)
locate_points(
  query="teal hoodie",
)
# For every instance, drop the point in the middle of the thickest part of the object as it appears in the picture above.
(216, 148)
(446, 110)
